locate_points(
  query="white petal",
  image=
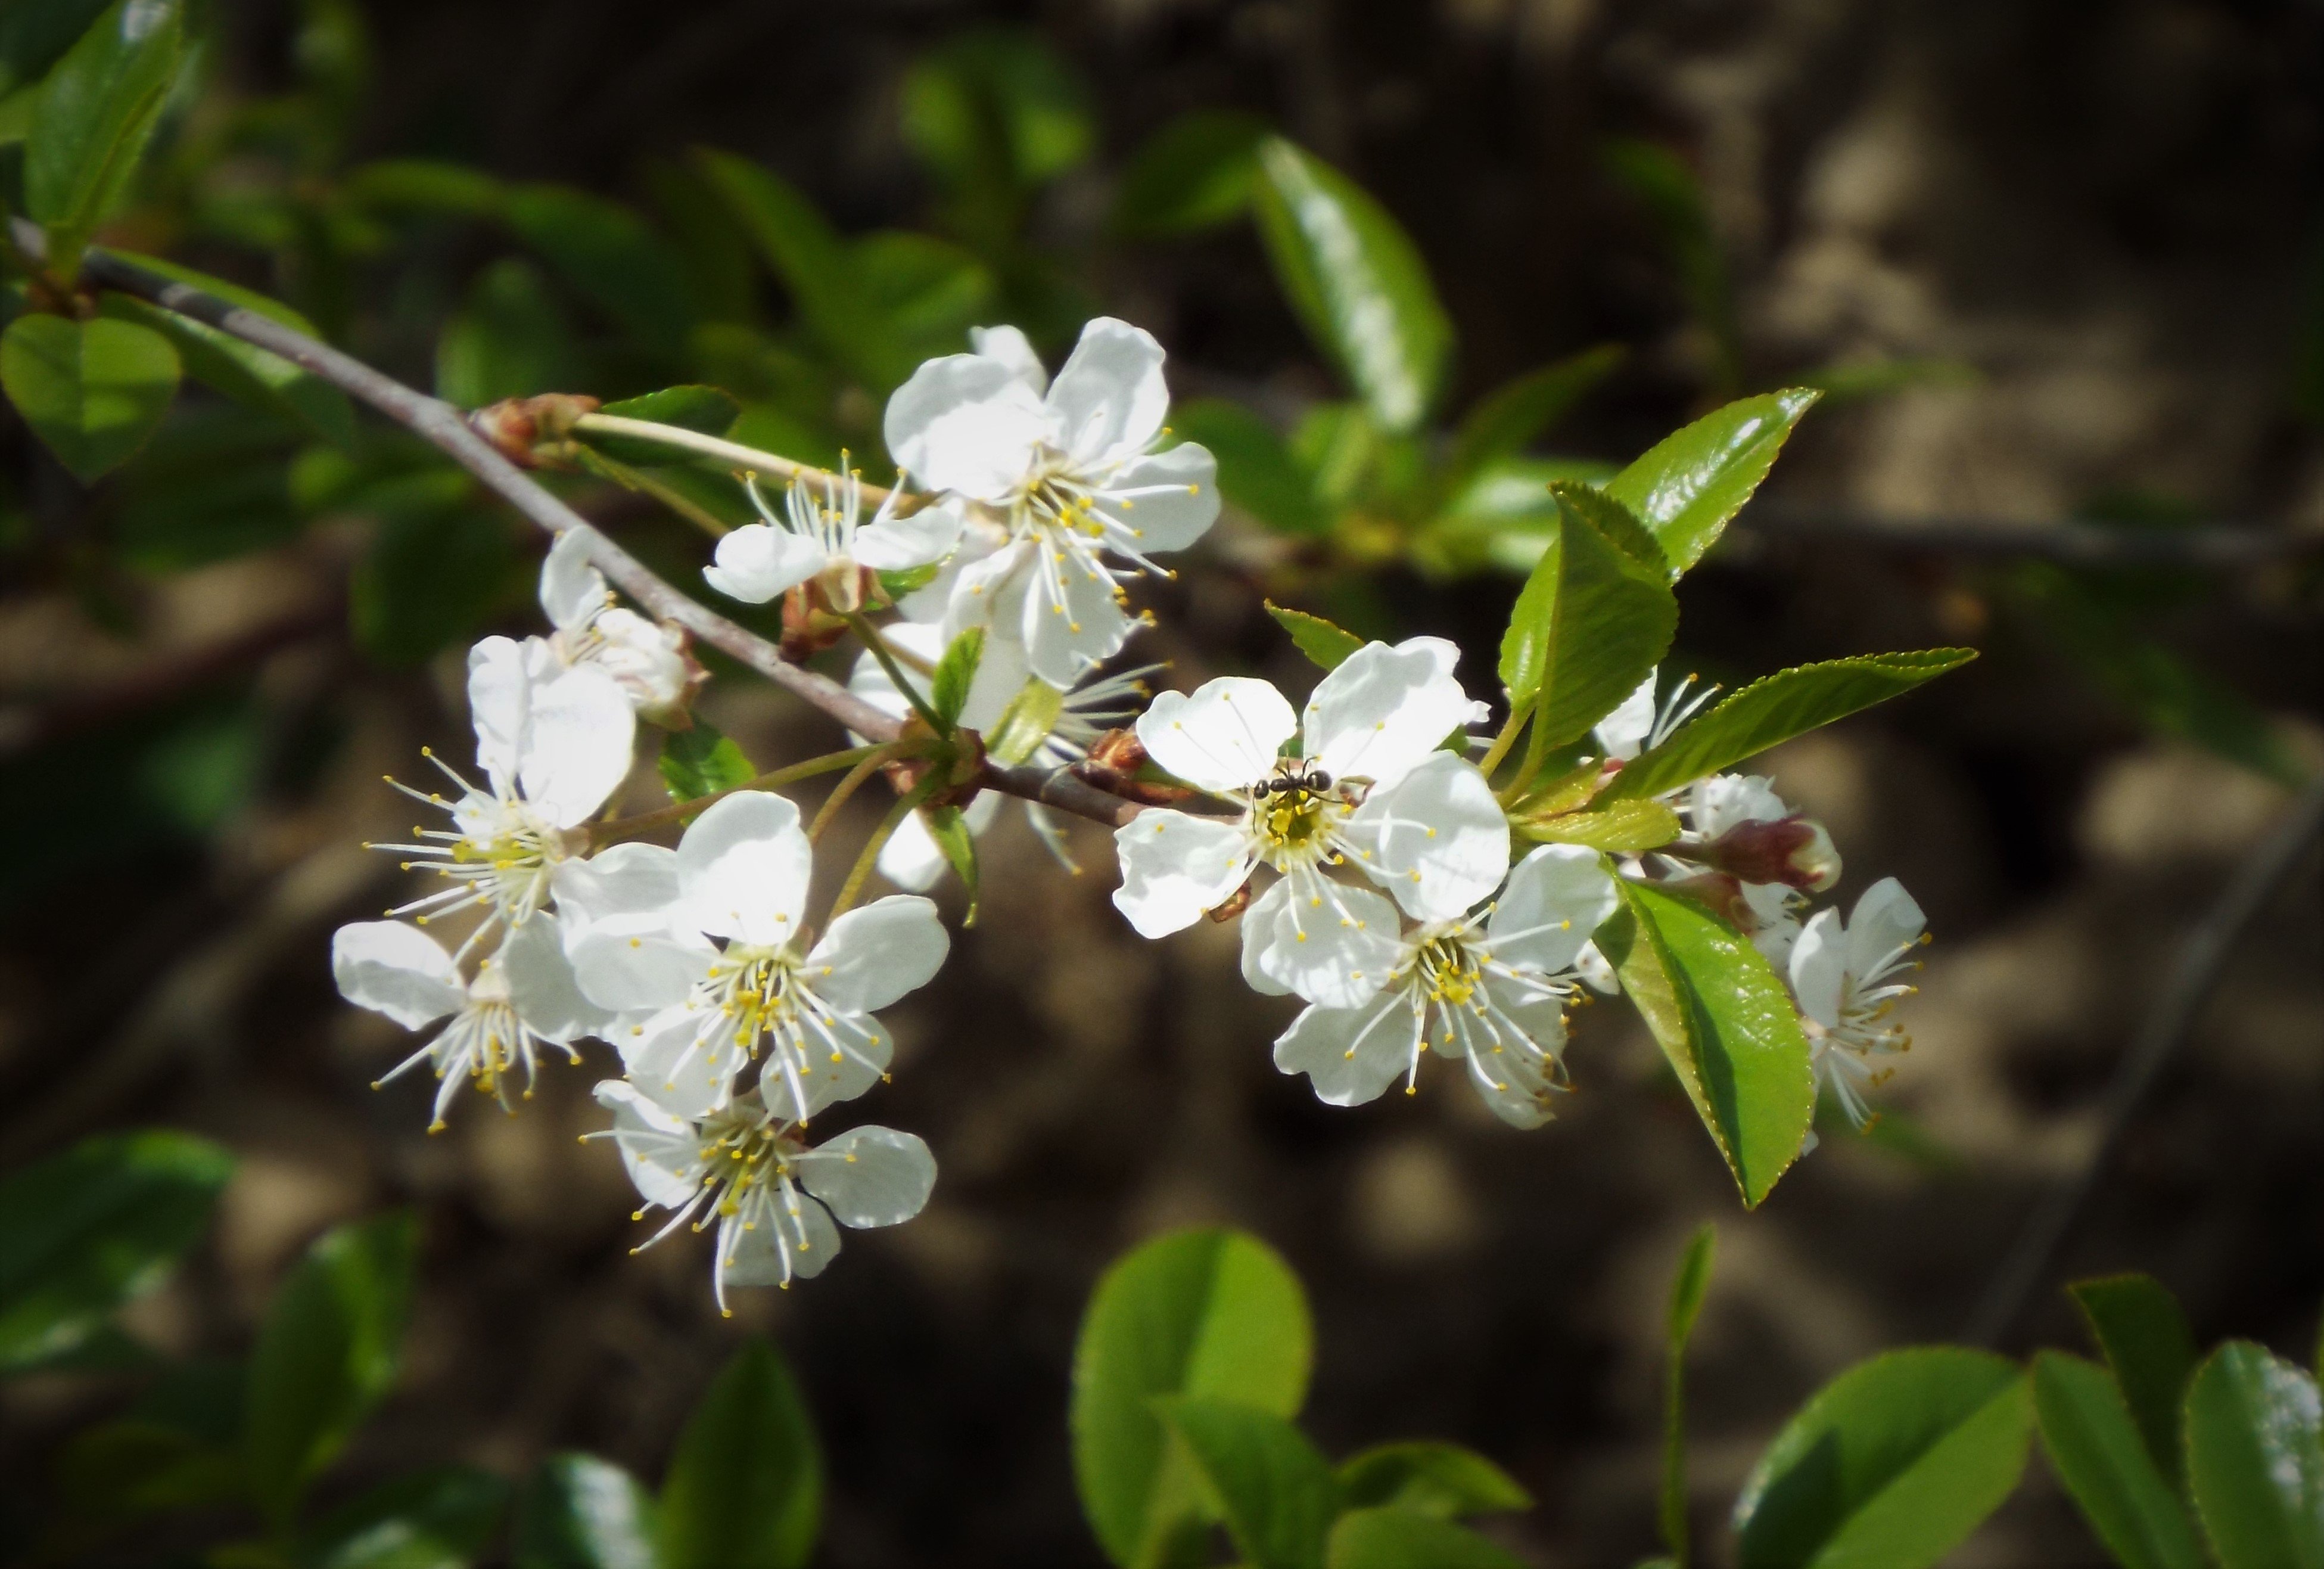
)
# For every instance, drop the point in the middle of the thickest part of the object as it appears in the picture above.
(1167, 500)
(1774, 906)
(990, 591)
(648, 659)
(869, 1176)
(632, 879)
(1885, 919)
(894, 544)
(1332, 944)
(1597, 971)
(911, 858)
(744, 869)
(1384, 710)
(1820, 967)
(1556, 897)
(1509, 1075)
(660, 1150)
(579, 746)
(873, 955)
(571, 590)
(966, 424)
(1623, 733)
(1013, 349)
(670, 1062)
(543, 987)
(868, 1049)
(626, 964)
(1176, 866)
(758, 561)
(1068, 618)
(500, 692)
(1000, 674)
(980, 538)
(759, 1259)
(1351, 1054)
(397, 970)
(1436, 839)
(1224, 736)
(1724, 800)
(1110, 399)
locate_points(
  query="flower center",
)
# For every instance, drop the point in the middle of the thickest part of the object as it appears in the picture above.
(740, 1149)
(1447, 974)
(753, 988)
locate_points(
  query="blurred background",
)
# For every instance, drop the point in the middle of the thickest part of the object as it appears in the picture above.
(2057, 268)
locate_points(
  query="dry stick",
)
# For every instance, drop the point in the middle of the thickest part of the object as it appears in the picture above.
(442, 425)
(2199, 965)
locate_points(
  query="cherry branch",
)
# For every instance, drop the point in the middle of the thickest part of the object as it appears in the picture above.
(445, 427)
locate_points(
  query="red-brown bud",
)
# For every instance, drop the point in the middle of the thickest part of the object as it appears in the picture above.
(1789, 850)
(518, 426)
(1112, 765)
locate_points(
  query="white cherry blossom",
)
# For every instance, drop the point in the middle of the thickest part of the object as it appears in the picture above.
(777, 1204)
(723, 970)
(554, 741)
(1643, 721)
(1368, 787)
(1490, 988)
(1724, 801)
(648, 659)
(523, 997)
(1062, 473)
(1843, 975)
(820, 536)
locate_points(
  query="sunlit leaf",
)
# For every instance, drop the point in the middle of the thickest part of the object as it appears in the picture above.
(2143, 1334)
(1686, 486)
(1326, 644)
(2255, 1459)
(1619, 827)
(1194, 173)
(1594, 618)
(1273, 1489)
(91, 391)
(700, 761)
(581, 1512)
(2096, 1451)
(1424, 1477)
(96, 112)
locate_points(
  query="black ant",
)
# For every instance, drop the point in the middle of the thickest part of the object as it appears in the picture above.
(1313, 782)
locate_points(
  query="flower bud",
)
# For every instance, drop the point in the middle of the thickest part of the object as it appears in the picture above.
(1796, 851)
(518, 426)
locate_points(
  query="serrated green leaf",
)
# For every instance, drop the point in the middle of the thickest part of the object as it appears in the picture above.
(442, 1518)
(1257, 472)
(1687, 1289)
(2096, 1451)
(91, 391)
(1025, 723)
(93, 1227)
(97, 111)
(1617, 827)
(1592, 621)
(1395, 1538)
(956, 674)
(611, 256)
(1727, 1024)
(745, 1488)
(581, 1512)
(2255, 1459)
(1424, 1477)
(1274, 1489)
(1506, 419)
(1208, 1313)
(1773, 709)
(701, 761)
(1328, 645)
(1891, 1464)
(2140, 1330)
(1685, 487)
(326, 1354)
(950, 830)
(1194, 173)
(1356, 282)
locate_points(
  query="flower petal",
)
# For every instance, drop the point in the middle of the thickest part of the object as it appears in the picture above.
(1623, 733)
(1109, 401)
(1724, 800)
(622, 880)
(571, 590)
(1068, 617)
(1386, 709)
(869, 1176)
(1166, 500)
(543, 987)
(1332, 944)
(860, 1052)
(743, 867)
(1224, 736)
(1507, 1065)
(1885, 919)
(628, 964)
(873, 955)
(892, 544)
(397, 970)
(966, 424)
(911, 859)
(579, 744)
(1351, 1055)
(683, 1061)
(1820, 967)
(660, 1150)
(1174, 866)
(757, 1255)
(1436, 839)
(758, 561)
(1013, 349)
(1556, 897)
(500, 693)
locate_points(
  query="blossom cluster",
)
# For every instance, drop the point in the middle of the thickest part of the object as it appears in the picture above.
(1367, 856)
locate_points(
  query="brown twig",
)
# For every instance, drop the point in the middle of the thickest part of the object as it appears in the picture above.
(444, 427)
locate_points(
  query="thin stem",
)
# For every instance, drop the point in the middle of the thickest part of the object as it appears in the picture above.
(1503, 742)
(705, 445)
(602, 833)
(628, 478)
(839, 794)
(906, 805)
(870, 638)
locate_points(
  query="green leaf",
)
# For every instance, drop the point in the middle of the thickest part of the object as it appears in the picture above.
(1212, 1315)
(611, 256)
(326, 1354)
(1506, 420)
(955, 673)
(581, 1512)
(1693, 1277)
(1395, 1538)
(745, 1488)
(929, 291)
(91, 391)
(1424, 1477)
(1257, 472)
(442, 1518)
(950, 831)
(509, 340)
(243, 372)
(707, 410)
(1619, 827)
(2097, 1452)
(32, 37)
(432, 577)
(1194, 173)
(1775, 708)
(996, 106)
(2139, 1329)
(1727, 1024)
(93, 1227)
(1328, 645)
(1591, 622)
(1356, 282)
(1031, 715)
(96, 112)
(1274, 1489)
(1891, 1464)
(1686, 486)
(425, 185)
(2255, 1459)
(701, 761)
